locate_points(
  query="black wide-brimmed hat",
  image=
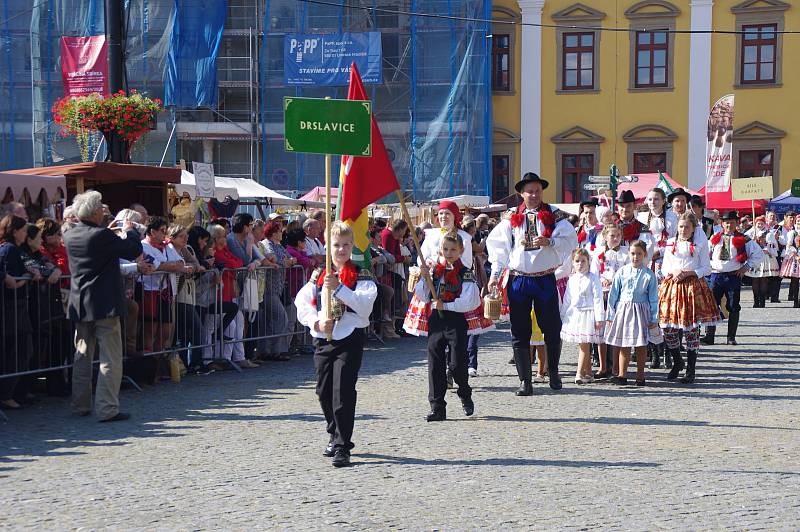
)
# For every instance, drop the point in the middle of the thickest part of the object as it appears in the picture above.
(530, 177)
(731, 216)
(679, 192)
(698, 201)
(590, 202)
(626, 196)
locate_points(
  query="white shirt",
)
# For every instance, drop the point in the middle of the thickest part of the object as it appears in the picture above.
(359, 300)
(679, 256)
(658, 224)
(754, 256)
(505, 246)
(314, 247)
(612, 263)
(433, 239)
(469, 299)
(583, 292)
(154, 282)
(771, 242)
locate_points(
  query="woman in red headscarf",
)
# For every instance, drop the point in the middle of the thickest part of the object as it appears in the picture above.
(449, 221)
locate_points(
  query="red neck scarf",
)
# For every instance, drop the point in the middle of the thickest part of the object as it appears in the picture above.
(348, 276)
(449, 281)
(158, 245)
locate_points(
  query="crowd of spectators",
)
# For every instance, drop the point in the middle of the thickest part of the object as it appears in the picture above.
(214, 297)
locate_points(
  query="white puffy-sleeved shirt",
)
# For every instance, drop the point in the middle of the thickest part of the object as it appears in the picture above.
(771, 242)
(682, 255)
(607, 262)
(469, 299)
(359, 301)
(699, 234)
(506, 249)
(720, 264)
(433, 239)
(657, 224)
(583, 292)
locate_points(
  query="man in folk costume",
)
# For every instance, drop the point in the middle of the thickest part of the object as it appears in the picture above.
(784, 240)
(532, 243)
(590, 229)
(633, 229)
(732, 255)
(705, 223)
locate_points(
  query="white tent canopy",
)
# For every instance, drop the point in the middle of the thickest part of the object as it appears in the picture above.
(53, 186)
(466, 201)
(238, 187)
(187, 185)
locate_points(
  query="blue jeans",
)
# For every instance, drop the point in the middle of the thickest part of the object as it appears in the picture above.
(472, 351)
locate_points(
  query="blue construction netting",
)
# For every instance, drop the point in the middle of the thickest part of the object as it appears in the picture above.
(433, 106)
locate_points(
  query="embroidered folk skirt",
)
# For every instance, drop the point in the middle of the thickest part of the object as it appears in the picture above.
(686, 304)
(768, 267)
(791, 267)
(416, 320)
(578, 327)
(630, 326)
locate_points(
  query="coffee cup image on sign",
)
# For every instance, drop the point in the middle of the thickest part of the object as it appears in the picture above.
(720, 124)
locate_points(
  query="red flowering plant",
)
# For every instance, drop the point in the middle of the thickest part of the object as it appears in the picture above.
(128, 116)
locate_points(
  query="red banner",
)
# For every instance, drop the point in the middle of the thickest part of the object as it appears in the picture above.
(84, 65)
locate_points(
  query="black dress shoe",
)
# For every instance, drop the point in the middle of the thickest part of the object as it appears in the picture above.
(121, 416)
(731, 341)
(525, 389)
(512, 361)
(620, 381)
(555, 383)
(329, 450)
(436, 416)
(469, 407)
(599, 376)
(341, 458)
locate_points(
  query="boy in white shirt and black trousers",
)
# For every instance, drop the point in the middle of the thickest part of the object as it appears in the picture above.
(337, 361)
(732, 255)
(456, 294)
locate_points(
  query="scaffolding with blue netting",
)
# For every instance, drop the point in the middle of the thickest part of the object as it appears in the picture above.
(433, 104)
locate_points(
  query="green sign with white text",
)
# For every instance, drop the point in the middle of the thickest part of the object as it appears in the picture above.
(330, 127)
(796, 188)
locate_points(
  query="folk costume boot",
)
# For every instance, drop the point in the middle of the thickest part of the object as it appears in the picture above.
(662, 351)
(708, 339)
(677, 363)
(553, 357)
(733, 326)
(522, 359)
(655, 362)
(691, 358)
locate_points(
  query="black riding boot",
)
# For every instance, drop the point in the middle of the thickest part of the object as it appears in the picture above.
(522, 359)
(553, 357)
(708, 339)
(691, 359)
(662, 351)
(677, 363)
(655, 361)
(733, 325)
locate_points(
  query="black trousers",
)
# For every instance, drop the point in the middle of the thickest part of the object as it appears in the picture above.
(337, 364)
(450, 329)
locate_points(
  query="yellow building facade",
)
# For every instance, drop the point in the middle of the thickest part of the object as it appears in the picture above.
(576, 99)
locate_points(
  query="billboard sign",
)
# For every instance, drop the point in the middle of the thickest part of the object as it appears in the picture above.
(84, 65)
(324, 59)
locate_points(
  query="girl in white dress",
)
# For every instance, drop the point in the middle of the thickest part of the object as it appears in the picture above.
(582, 313)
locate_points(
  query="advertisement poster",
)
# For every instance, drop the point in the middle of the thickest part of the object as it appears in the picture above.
(320, 59)
(84, 65)
(719, 148)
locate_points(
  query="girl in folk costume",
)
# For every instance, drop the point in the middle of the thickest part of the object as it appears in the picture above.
(609, 259)
(589, 228)
(447, 326)
(632, 314)
(337, 361)
(788, 224)
(790, 269)
(582, 313)
(684, 299)
(768, 267)
(732, 254)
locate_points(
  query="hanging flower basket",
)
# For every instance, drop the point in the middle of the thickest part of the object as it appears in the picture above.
(127, 116)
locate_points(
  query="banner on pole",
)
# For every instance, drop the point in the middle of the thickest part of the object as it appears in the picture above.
(751, 188)
(319, 59)
(84, 65)
(719, 147)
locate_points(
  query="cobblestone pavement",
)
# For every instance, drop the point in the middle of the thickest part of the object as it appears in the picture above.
(242, 452)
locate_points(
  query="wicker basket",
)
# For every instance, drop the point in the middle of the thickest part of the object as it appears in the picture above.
(492, 304)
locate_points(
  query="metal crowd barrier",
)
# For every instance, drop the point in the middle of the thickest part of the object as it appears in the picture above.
(170, 315)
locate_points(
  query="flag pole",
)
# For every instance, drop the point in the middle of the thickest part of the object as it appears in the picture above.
(753, 207)
(407, 218)
(328, 265)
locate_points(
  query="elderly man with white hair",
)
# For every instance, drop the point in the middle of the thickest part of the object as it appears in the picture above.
(96, 304)
(314, 247)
